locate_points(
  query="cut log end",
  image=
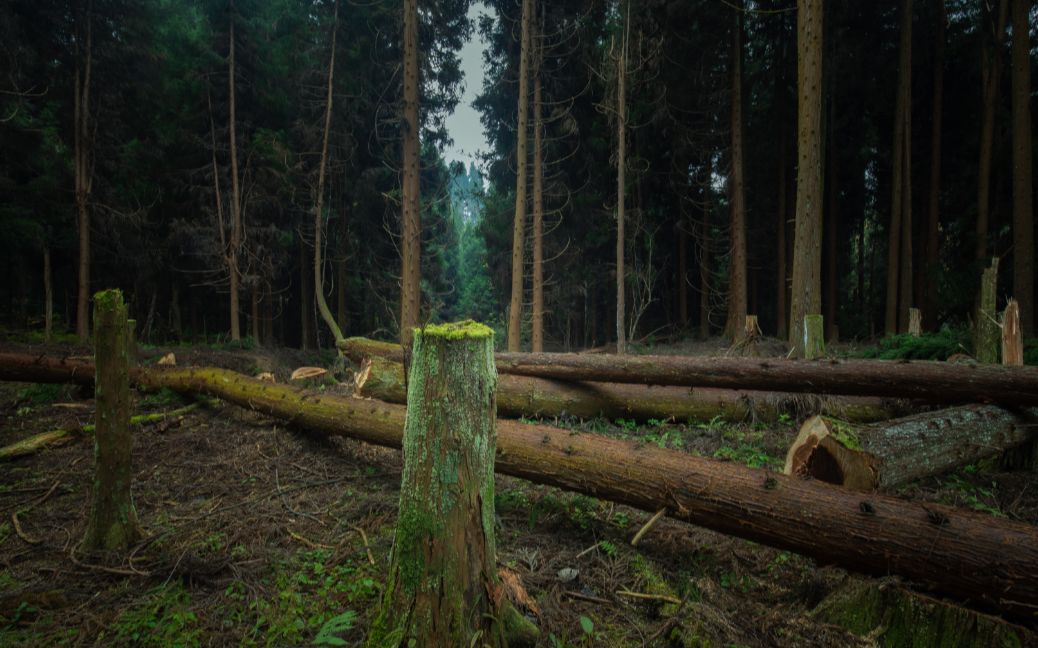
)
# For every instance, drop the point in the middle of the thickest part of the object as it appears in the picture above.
(826, 450)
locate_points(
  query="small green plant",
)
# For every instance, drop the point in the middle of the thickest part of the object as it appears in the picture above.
(608, 548)
(626, 424)
(164, 397)
(587, 626)
(41, 394)
(713, 425)
(165, 619)
(328, 634)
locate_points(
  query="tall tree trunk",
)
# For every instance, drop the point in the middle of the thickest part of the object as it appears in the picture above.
(306, 305)
(682, 274)
(341, 276)
(515, 307)
(538, 200)
(411, 230)
(897, 275)
(735, 325)
(832, 279)
(322, 303)
(991, 75)
(621, 168)
(705, 259)
(807, 251)
(933, 220)
(236, 224)
(1023, 210)
(254, 314)
(84, 177)
(48, 296)
(781, 315)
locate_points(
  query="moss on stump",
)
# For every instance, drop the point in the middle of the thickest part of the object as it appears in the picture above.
(442, 588)
(112, 525)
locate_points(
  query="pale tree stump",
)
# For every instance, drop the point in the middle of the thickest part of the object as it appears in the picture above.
(442, 588)
(814, 337)
(1012, 340)
(987, 333)
(112, 525)
(915, 322)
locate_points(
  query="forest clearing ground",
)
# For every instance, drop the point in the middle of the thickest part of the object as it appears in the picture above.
(254, 534)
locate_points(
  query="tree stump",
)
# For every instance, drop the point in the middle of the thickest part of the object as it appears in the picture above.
(987, 334)
(112, 525)
(884, 455)
(442, 588)
(915, 322)
(1012, 340)
(814, 337)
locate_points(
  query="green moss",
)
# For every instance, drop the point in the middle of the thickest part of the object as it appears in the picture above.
(844, 433)
(466, 329)
(111, 299)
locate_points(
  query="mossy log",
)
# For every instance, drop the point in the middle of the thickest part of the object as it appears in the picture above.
(938, 382)
(898, 618)
(991, 563)
(881, 456)
(442, 588)
(112, 524)
(525, 396)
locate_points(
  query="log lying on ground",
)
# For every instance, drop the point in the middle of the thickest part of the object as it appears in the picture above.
(881, 456)
(988, 562)
(519, 396)
(924, 380)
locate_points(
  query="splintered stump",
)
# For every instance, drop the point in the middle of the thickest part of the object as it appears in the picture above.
(915, 322)
(1012, 339)
(524, 396)
(442, 588)
(881, 456)
(987, 334)
(112, 524)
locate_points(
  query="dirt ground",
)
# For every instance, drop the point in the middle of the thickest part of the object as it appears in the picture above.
(258, 534)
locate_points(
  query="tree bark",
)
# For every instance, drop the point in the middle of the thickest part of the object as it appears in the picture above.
(737, 266)
(1012, 340)
(525, 396)
(621, 168)
(515, 307)
(933, 221)
(112, 524)
(989, 562)
(1023, 182)
(411, 229)
(306, 305)
(987, 335)
(442, 588)
(236, 224)
(83, 178)
(814, 337)
(322, 303)
(898, 276)
(882, 456)
(781, 315)
(705, 258)
(537, 341)
(991, 75)
(832, 279)
(48, 296)
(807, 250)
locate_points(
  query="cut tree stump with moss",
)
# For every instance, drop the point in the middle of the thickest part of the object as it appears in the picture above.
(442, 588)
(898, 618)
(880, 456)
(112, 525)
(526, 396)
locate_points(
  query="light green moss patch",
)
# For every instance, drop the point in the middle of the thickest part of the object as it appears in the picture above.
(845, 434)
(466, 329)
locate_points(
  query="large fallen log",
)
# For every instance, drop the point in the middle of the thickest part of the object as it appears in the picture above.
(987, 562)
(521, 396)
(925, 380)
(881, 456)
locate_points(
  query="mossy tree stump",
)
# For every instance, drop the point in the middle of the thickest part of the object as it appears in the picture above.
(442, 588)
(814, 337)
(112, 524)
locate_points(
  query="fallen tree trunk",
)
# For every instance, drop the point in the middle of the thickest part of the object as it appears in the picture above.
(987, 562)
(881, 456)
(924, 380)
(519, 396)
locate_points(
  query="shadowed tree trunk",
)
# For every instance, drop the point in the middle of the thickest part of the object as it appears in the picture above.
(705, 259)
(734, 326)
(1023, 210)
(899, 241)
(782, 317)
(807, 250)
(515, 304)
(442, 588)
(322, 303)
(991, 74)
(411, 229)
(236, 225)
(538, 200)
(48, 296)
(933, 213)
(112, 524)
(84, 176)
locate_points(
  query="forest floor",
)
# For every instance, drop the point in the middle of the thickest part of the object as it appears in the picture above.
(262, 535)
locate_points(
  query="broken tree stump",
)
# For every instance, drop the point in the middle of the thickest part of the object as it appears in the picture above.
(1012, 340)
(987, 334)
(112, 525)
(442, 588)
(881, 456)
(915, 322)
(524, 396)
